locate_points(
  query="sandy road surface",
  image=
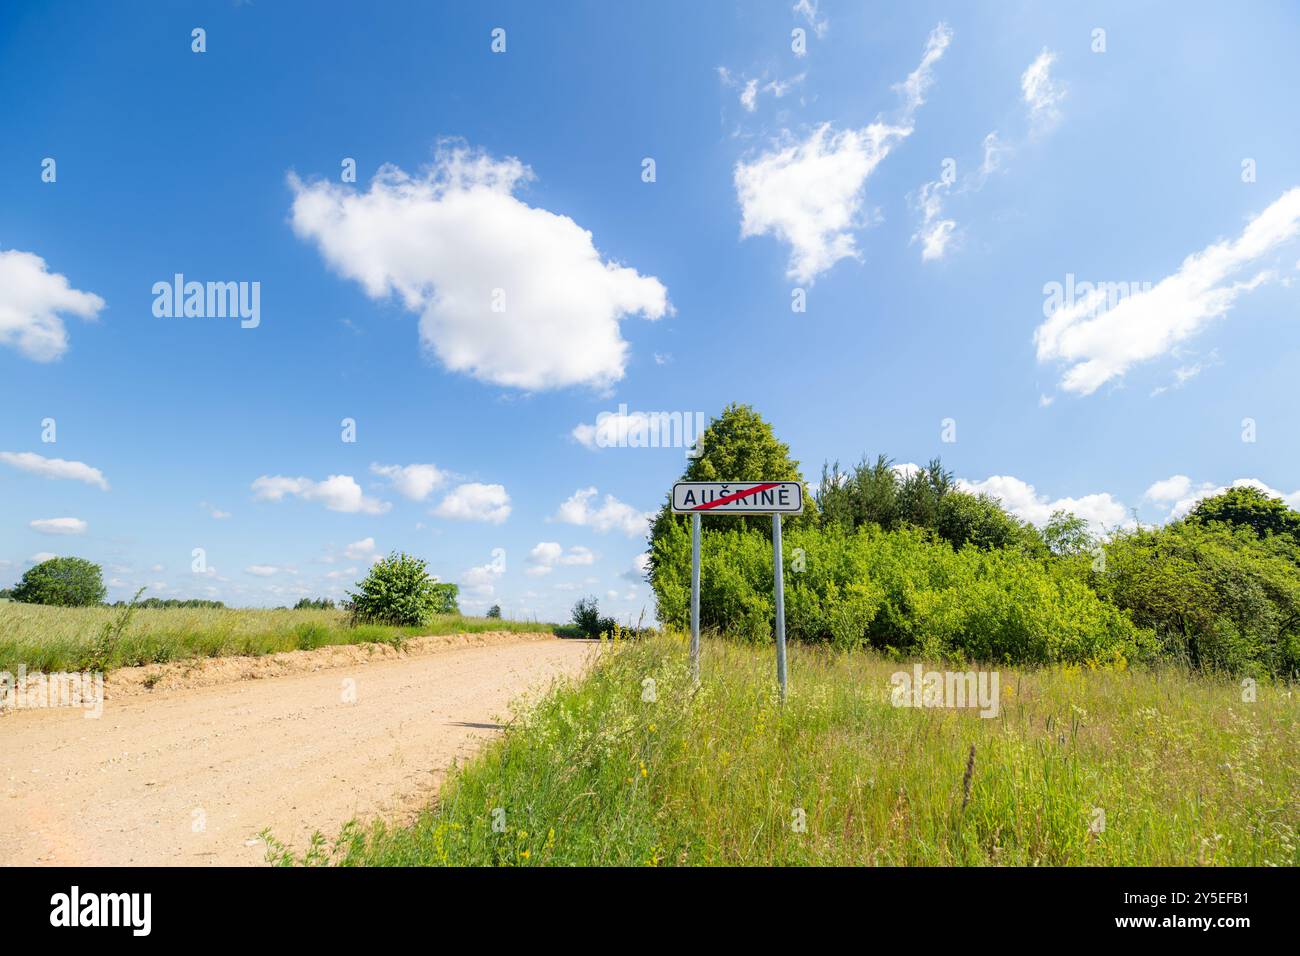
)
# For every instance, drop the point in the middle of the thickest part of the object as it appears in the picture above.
(132, 787)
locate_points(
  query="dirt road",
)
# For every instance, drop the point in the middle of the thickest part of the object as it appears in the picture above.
(191, 776)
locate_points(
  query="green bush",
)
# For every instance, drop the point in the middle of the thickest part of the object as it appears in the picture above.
(901, 590)
(587, 619)
(62, 582)
(398, 590)
(1216, 596)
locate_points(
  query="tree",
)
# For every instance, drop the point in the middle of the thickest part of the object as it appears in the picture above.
(586, 618)
(738, 445)
(1067, 535)
(1250, 508)
(64, 582)
(399, 590)
(314, 604)
(494, 611)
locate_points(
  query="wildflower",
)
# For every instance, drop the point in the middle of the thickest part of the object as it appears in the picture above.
(644, 772)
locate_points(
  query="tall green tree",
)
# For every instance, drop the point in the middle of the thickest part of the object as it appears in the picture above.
(738, 445)
(1247, 507)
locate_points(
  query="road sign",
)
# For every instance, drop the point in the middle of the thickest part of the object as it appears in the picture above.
(738, 497)
(773, 498)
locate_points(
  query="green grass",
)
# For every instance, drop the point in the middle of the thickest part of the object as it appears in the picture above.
(1184, 770)
(73, 639)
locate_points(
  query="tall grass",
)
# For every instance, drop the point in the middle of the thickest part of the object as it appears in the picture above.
(1183, 770)
(71, 639)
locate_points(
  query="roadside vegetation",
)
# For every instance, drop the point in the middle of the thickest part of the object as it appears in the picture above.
(53, 639)
(905, 562)
(71, 631)
(1081, 766)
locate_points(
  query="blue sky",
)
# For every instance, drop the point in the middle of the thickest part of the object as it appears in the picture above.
(921, 173)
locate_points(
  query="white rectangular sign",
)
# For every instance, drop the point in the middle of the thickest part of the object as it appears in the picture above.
(738, 497)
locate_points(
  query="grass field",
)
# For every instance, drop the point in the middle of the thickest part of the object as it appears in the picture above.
(76, 639)
(1080, 767)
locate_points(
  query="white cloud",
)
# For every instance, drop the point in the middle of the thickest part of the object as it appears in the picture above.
(612, 515)
(455, 242)
(54, 467)
(1102, 344)
(1180, 496)
(640, 568)
(1042, 94)
(412, 481)
(41, 557)
(810, 194)
(262, 570)
(476, 502)
(59, 526)
(751, 88)
(935, 232)
(1102, 511)
(31, 298)
(337, 493)
(1169, 489)
(808, 10)
(363, 550)
(214, 511)
(613, 430)
(547, 555)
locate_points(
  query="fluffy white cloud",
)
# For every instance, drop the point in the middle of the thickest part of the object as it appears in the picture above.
(54, 467)
(809, 194)
(1101, 343)
(508, 293)
(612, 515)
(31, 300)
(1180, 496)
(363, 550)
(262, 570)
(1169, 489)
(412, 481)
(547, 555)
(476, 502)
(59, 526)
(337, 493)
(41, 557)
(1042, 93)
(1101, 511)
(613, 430)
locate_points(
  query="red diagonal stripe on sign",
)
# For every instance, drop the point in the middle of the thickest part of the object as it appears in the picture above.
(736, 496)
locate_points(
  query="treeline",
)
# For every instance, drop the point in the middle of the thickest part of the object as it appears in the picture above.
(171, 602)
(908, 563)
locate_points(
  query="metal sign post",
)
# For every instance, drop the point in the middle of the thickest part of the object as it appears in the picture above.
(695, 598)
(745, 497)
(779, 575)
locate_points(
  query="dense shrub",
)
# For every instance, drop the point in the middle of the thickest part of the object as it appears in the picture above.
(62, 582)
(586, 618)
(1215, 595)
(398, 590)
(902, 590)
